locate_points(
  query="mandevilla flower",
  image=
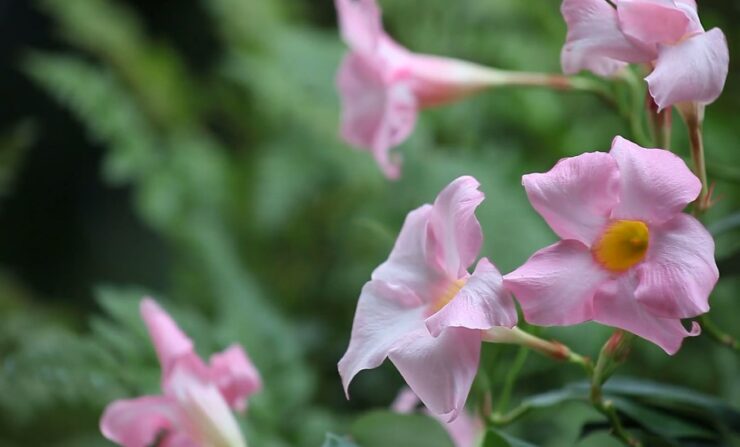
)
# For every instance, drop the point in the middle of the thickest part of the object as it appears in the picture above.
(688, 63)
(424, 311)
(465, 431)
(629, 257)
(194, 409)
(382, 84)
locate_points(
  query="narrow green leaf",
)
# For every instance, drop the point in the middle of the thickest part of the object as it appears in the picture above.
(661, 423)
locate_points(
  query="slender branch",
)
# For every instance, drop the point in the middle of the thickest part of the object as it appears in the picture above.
(660, 123)
(511, 375)
(510, 417)
(614, 352)
(552, 349)
(717, 334)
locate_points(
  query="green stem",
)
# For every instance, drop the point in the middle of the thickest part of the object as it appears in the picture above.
(612, 354)
(717, 334)
(511, 376)
(510, 417)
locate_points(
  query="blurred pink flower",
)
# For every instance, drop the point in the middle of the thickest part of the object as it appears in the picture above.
(424, 311)
(465, 431)
(688, 63)
(194, 408)
(629, 257)
(382, 84)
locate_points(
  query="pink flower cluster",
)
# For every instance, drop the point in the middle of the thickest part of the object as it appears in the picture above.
(687, 63)
(383, 85)
(629, 258)
(194, 408)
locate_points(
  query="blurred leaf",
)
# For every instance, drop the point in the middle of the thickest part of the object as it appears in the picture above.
(496, 438)
(107, 110)
(383, 428)
(662, 423)
(14, 143)
(333, 440)
(677, 400)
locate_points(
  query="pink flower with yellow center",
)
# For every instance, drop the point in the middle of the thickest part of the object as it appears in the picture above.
(383, 85)
(194, 408)
(629, 257)
(688, 63)
(424, 311)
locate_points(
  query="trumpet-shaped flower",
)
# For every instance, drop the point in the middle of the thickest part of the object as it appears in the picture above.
(424, 311)
(688, 63)
(629, 257)
(465, 431)
(194, 409)
(382, 84)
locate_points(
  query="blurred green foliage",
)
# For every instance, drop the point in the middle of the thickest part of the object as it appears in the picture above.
(273, 224)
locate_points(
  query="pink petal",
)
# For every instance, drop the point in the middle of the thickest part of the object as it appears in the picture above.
(377, 114)
(235, 376)
(594, 40)
(139, 422)
(440, 370)
(441, 80)
(169, 341)
(615, 305)
(407, 265)
(481, 304)
(679, 273)
(465, 431)
(576, 196)
(649, 23)
(694, 70)
(406, 401)
(385, 314)
(179, 439)
(209, 419)
(655, 184)
(360, 24)
(690, 3)
(555, 287)
(455, 236)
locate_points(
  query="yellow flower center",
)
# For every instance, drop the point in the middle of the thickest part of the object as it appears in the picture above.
(447, 296)
(622, 245)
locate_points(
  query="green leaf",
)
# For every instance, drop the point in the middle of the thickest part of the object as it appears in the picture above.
(495, 438)
(676, 400)
(384, 428)
(661, 423)
(333, 440)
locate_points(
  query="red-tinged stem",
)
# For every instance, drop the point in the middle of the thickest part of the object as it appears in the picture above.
(550, 348)
(660, 123)
(692, 115)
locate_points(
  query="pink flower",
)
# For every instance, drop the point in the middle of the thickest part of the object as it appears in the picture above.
(629, 257)
(689, 64)
(194, 408)
(382, 84)
(465, 431)
(424, 311)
